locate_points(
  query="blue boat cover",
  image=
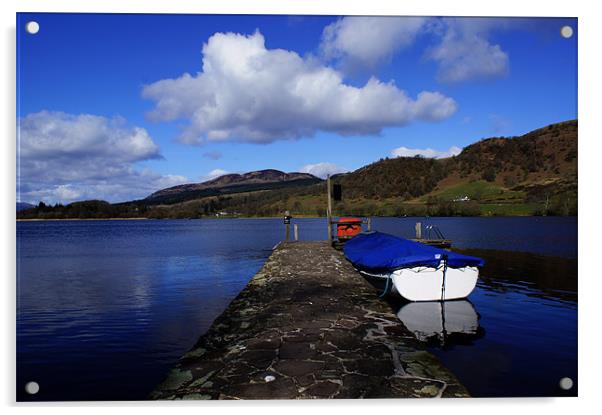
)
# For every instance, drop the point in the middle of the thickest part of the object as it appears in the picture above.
(381, 252)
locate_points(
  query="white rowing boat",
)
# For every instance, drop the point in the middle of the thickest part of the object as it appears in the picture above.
(431, 284)
(415, 271)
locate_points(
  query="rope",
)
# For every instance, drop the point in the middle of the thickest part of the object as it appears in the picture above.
(444, 273)
(443, 331)
(387, 287)
(371, 275)
(387, 284)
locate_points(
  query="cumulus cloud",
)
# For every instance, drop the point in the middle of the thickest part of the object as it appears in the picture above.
(461, 48)
(368, 40)
(214, 174)
(250, 93)
(323, 169)
(425, 152)
(65, 157)
(465, 52)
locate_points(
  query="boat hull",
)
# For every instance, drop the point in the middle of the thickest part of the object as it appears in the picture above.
(426, 284)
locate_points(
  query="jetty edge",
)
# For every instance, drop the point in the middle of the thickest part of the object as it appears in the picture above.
(308, 326)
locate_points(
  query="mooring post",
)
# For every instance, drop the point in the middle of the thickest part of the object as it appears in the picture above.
(296, 228)
(369, 224)
(287, 225)
(418, 230)
(329, 209)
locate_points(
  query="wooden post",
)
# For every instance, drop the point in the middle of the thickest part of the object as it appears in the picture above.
(287, 225)
(329, 209)
(418, 230)
(296, 232)
(369, 224)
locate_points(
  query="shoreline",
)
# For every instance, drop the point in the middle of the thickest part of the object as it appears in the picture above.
(295, 217)
(74, 219)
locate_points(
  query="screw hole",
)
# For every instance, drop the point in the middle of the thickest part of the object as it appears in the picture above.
(566, 32)
(32, 27)
(566, 383)
(32, 388)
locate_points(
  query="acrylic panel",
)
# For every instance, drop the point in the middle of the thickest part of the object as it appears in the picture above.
(295, 207)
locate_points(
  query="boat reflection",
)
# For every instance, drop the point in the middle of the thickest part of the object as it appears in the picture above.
(442, 323)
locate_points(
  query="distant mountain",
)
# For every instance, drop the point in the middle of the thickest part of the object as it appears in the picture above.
(269, 179)
(24, 206)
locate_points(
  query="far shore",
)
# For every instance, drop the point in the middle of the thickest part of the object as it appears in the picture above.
(44, 220)
(205, 218)
(280, 217)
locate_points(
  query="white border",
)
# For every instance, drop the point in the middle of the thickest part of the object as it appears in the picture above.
(332, 7)
(590, 69)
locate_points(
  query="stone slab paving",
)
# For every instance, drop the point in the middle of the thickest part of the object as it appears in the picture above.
(308, 326)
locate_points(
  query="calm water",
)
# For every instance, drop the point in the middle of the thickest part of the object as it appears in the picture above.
(105, 308)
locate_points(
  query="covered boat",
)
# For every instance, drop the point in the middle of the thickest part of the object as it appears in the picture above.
(415, 271)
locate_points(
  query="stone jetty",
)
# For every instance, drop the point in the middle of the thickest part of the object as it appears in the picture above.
(308, 326)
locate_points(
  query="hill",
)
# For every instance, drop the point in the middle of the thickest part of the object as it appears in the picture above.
(24, 206)
(537, 171)
(532, 174)
(269, 179)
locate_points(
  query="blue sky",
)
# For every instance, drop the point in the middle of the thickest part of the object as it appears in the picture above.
(106, 111)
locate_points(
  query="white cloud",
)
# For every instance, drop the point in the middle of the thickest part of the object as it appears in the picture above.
(214, 174)
(65, 157)
(249, 93)
(164, 181)
(425, 152)
(465, 52)
(462, 50)
(66, 192)
(367, 41)
(57, 134)
(323, 169)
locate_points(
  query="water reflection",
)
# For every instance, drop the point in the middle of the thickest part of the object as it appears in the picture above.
(442, 322)
(499, 342)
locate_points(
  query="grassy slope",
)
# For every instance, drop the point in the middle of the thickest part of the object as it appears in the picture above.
(480, 190)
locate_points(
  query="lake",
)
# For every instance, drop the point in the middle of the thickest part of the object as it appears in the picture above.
(105, 308)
